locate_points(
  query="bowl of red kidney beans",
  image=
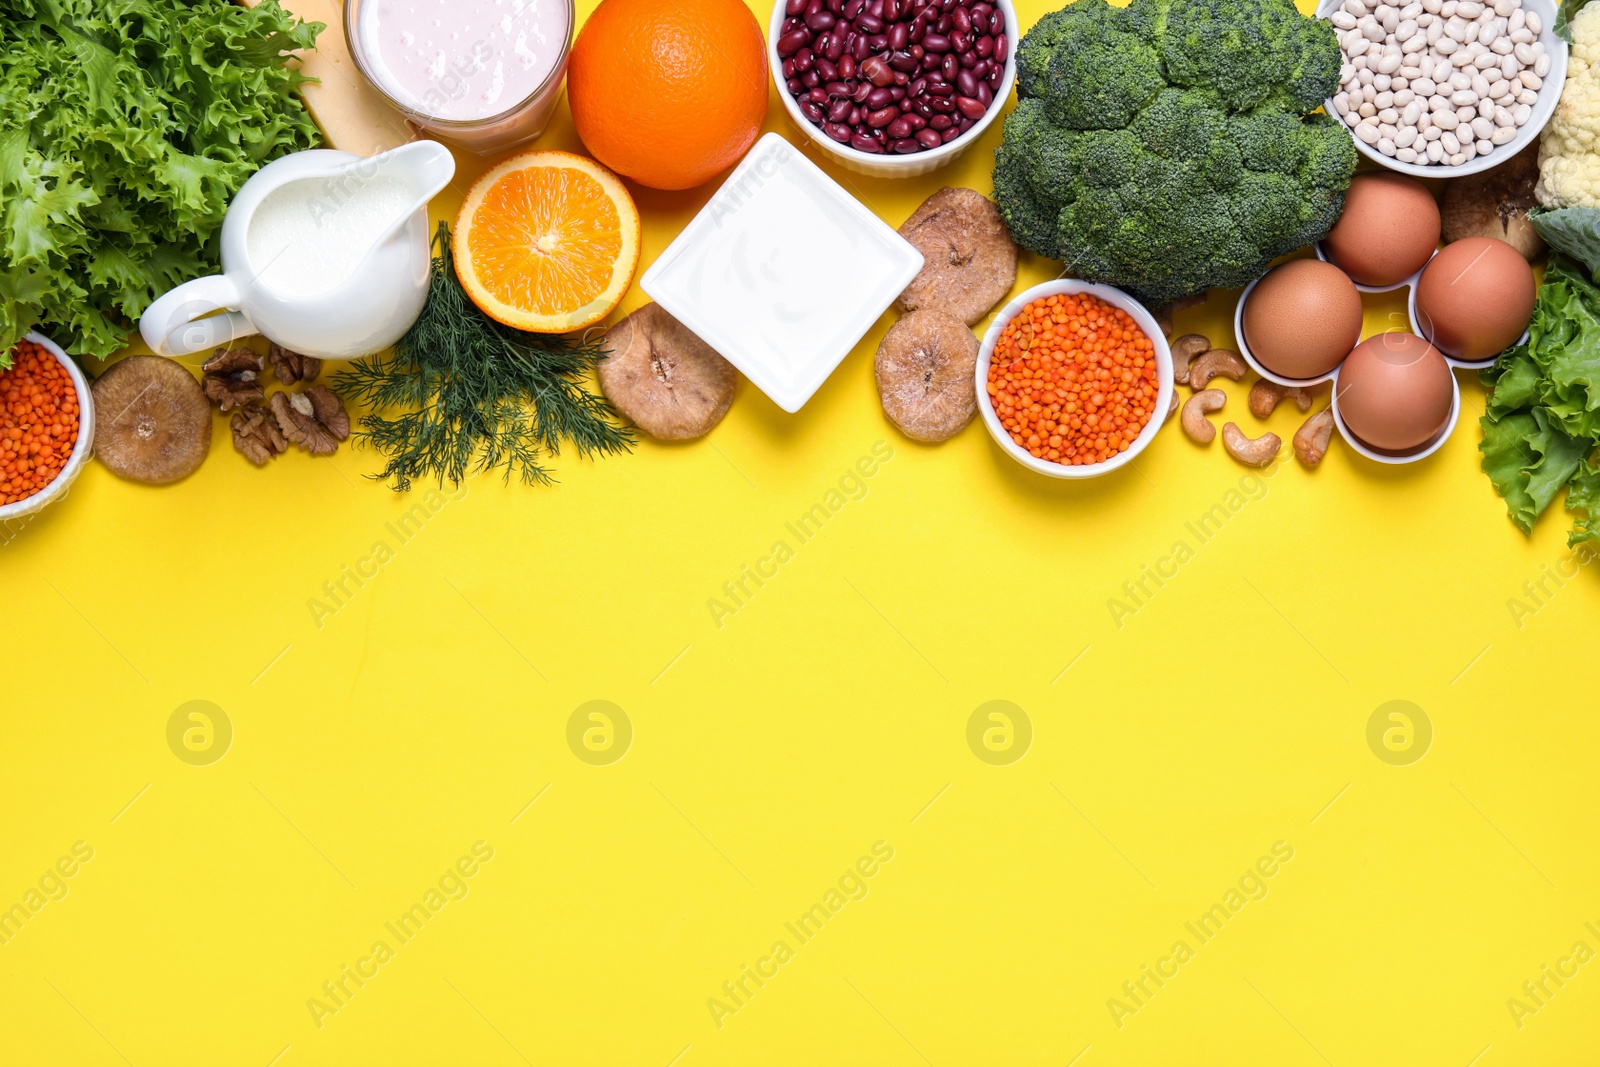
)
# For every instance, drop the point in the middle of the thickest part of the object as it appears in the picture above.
(893, 88)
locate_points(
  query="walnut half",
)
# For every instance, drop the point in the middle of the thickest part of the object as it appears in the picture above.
(315, 419)
(256, 434)
(233, 377)
(291, 367)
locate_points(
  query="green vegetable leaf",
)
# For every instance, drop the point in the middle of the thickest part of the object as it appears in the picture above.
(1564, 340)
(1528, 459)
(1583, 494)
(1572, 230)
(1515, 377)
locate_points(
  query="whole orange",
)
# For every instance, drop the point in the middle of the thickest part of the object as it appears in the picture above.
(669, 93)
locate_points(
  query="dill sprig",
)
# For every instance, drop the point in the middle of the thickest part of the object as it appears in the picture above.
(462, 394)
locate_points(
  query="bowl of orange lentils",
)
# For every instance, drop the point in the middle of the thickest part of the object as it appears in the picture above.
(46, 426)
(1074, 379)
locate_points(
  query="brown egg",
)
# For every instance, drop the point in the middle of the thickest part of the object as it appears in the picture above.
(1475, 298)
(1395, 392)
(1389, 228)
(1302, 318)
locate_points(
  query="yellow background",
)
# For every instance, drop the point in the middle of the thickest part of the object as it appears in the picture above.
(770, 753)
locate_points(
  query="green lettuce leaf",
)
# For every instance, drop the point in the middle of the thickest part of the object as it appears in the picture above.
(126, 126)
(1583, 494)
(1529, 459)
(1564, 340)
(1515, 379)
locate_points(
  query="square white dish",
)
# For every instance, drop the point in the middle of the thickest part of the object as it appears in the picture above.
(782, 272)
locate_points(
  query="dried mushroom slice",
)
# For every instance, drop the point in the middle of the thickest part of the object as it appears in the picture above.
(315, 419)
(233, 377)
(291, 367)
(925, 369)
(256, 434)
(969, 259)
(673, 385)
(152, 422)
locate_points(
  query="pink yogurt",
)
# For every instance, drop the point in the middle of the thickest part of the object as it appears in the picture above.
(463, 61)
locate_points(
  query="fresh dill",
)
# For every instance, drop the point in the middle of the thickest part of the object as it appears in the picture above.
(462, 394)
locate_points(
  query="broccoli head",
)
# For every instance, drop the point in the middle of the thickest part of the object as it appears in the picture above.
(1170, 146)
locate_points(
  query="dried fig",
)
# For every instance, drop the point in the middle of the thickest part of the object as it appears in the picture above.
(925, 370)
(668, 381)
(152, 420)
(969, 259)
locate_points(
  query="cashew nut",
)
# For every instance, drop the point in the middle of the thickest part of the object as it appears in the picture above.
(1265, 396)
(1184, 349)
(1257, 452)
(1172, 409)
(1311, 440)
(1195, 409)
(1215, 362)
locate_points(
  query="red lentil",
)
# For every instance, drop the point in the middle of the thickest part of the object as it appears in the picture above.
(1073, 379)
(38, 422)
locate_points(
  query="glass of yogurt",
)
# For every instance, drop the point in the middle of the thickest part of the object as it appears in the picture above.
(484, 74)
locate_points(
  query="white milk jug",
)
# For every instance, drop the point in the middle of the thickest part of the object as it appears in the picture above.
(323, 252)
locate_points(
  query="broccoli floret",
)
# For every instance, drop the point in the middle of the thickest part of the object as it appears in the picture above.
(1038, 45)
(1246, 50)
(1032, 226)
(1181, 124)
(1105, 158)
(1169, 147)
(1099, 77)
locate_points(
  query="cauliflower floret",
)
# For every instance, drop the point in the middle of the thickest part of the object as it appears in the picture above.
(1569, 156)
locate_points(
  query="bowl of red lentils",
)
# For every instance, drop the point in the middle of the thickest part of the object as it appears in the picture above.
(1074, 379)
(46, 426)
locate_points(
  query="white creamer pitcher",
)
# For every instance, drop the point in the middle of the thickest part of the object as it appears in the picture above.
(323, 252)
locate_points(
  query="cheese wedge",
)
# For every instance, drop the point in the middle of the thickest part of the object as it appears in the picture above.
(351, 114)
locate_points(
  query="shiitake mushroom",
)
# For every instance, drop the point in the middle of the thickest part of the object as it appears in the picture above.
(152, 420)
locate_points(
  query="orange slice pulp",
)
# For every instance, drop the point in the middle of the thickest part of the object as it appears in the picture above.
(547, 242)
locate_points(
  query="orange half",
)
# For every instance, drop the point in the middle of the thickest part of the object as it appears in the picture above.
(547, 242)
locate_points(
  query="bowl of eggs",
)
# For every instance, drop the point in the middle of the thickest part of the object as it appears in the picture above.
(1395, 396)
(1445, 88)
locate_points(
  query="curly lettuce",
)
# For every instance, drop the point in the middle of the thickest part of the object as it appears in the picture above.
(125, 128)
(1542, 422)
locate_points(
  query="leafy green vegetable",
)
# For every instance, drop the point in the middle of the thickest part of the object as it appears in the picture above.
(1170, 146)
(1583, 494)
(472, 394)
(1573, 230)
(1528, 460)
(125, 128)
(1543, 415)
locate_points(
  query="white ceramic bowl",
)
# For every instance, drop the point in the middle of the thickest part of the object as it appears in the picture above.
(1116, 298)
(1549, 94)
(895, 166)
(80, 451)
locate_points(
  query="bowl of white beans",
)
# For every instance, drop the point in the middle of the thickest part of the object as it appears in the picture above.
(1445, 88)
